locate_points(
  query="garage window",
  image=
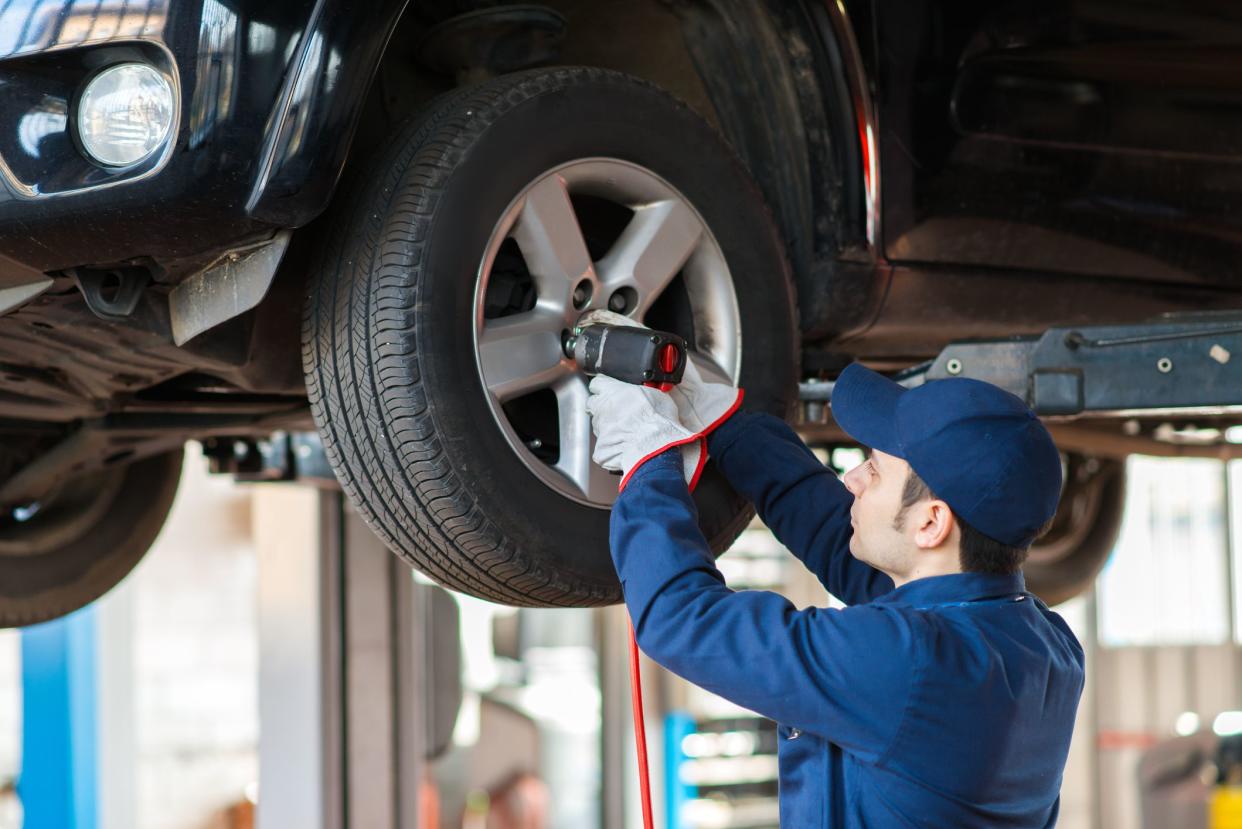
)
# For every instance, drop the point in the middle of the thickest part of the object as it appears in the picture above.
(1168, 581)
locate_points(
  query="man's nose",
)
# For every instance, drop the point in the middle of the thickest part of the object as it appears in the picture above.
(853, 481)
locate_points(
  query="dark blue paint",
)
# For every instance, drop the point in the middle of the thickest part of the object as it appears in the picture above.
(270, 94)
(1088, 137)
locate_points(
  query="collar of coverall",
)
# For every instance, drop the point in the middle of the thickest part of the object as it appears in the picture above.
(954, 588)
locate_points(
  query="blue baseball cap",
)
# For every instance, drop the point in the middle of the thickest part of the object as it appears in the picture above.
(980, 448)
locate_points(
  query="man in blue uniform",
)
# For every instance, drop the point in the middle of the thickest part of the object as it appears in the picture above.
(945, 694)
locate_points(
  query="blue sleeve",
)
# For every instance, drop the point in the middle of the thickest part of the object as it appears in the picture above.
(836, 673)
(801, 501)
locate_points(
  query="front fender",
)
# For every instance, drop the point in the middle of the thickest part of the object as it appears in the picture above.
(269, 97)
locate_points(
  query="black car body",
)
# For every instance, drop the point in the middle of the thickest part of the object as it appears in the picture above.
(936, 171)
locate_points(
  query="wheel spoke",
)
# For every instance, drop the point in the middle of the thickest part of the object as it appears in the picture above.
(550, 238)
(651, 250)
(521, 353)
(707, 367)
(578, 443)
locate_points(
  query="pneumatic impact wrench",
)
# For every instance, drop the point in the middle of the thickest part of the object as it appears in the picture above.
(632, 355)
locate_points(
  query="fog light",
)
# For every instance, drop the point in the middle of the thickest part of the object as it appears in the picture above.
(125, 114)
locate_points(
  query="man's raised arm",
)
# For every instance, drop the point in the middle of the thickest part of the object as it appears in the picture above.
(802, 501)
(845, 675)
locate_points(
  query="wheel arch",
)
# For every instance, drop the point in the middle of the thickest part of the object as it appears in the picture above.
(790, 90)
(786, 83)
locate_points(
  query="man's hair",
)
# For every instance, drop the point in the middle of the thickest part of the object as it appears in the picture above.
(979, 553)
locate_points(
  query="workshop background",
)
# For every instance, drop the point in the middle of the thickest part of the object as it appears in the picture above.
(180, 699)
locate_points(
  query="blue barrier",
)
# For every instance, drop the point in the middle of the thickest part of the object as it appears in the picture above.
(58, 782)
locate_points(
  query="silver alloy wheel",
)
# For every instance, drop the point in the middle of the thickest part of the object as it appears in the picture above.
(521, 353)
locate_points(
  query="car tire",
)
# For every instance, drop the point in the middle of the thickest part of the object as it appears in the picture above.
(1064, 562)
(402, 390)
(84, 539)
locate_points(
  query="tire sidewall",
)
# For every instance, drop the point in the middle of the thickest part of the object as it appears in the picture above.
(1074, 573)
(630, 122)
(46, 585)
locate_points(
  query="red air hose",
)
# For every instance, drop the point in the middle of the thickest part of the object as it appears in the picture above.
(636, 681)
(640, 731)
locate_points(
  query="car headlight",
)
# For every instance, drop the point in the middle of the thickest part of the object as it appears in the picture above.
(125, 114)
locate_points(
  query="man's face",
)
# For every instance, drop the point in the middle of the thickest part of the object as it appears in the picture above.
(877, 486)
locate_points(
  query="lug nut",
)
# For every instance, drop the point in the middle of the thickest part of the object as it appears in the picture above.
(616, 302)
(582, 294)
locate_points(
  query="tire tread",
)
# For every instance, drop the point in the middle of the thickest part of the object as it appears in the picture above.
(361, 359)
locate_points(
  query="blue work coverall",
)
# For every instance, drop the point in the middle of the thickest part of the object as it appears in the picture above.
(948, 702)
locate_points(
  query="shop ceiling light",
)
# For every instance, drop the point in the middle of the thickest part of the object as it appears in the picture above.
(1187, 723)
(125, 114)
(1228, 723)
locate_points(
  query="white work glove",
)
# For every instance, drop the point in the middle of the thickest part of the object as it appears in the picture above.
(634, 423)
(701, 405)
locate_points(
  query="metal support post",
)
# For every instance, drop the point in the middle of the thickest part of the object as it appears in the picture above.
(59, 777)
(342, 684)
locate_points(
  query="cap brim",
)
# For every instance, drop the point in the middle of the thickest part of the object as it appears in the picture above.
(864, 404)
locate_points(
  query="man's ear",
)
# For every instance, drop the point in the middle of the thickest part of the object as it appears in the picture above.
(936, 524)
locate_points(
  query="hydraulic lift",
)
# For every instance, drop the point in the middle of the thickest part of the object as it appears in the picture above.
(1169, 386)
(1111, 390)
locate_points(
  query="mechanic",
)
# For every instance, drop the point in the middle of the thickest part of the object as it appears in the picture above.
(944, 695)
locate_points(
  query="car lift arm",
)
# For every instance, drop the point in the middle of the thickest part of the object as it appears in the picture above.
(1183, 363)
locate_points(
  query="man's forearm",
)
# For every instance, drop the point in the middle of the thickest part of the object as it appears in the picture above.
(655, 539)
(802, 501)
